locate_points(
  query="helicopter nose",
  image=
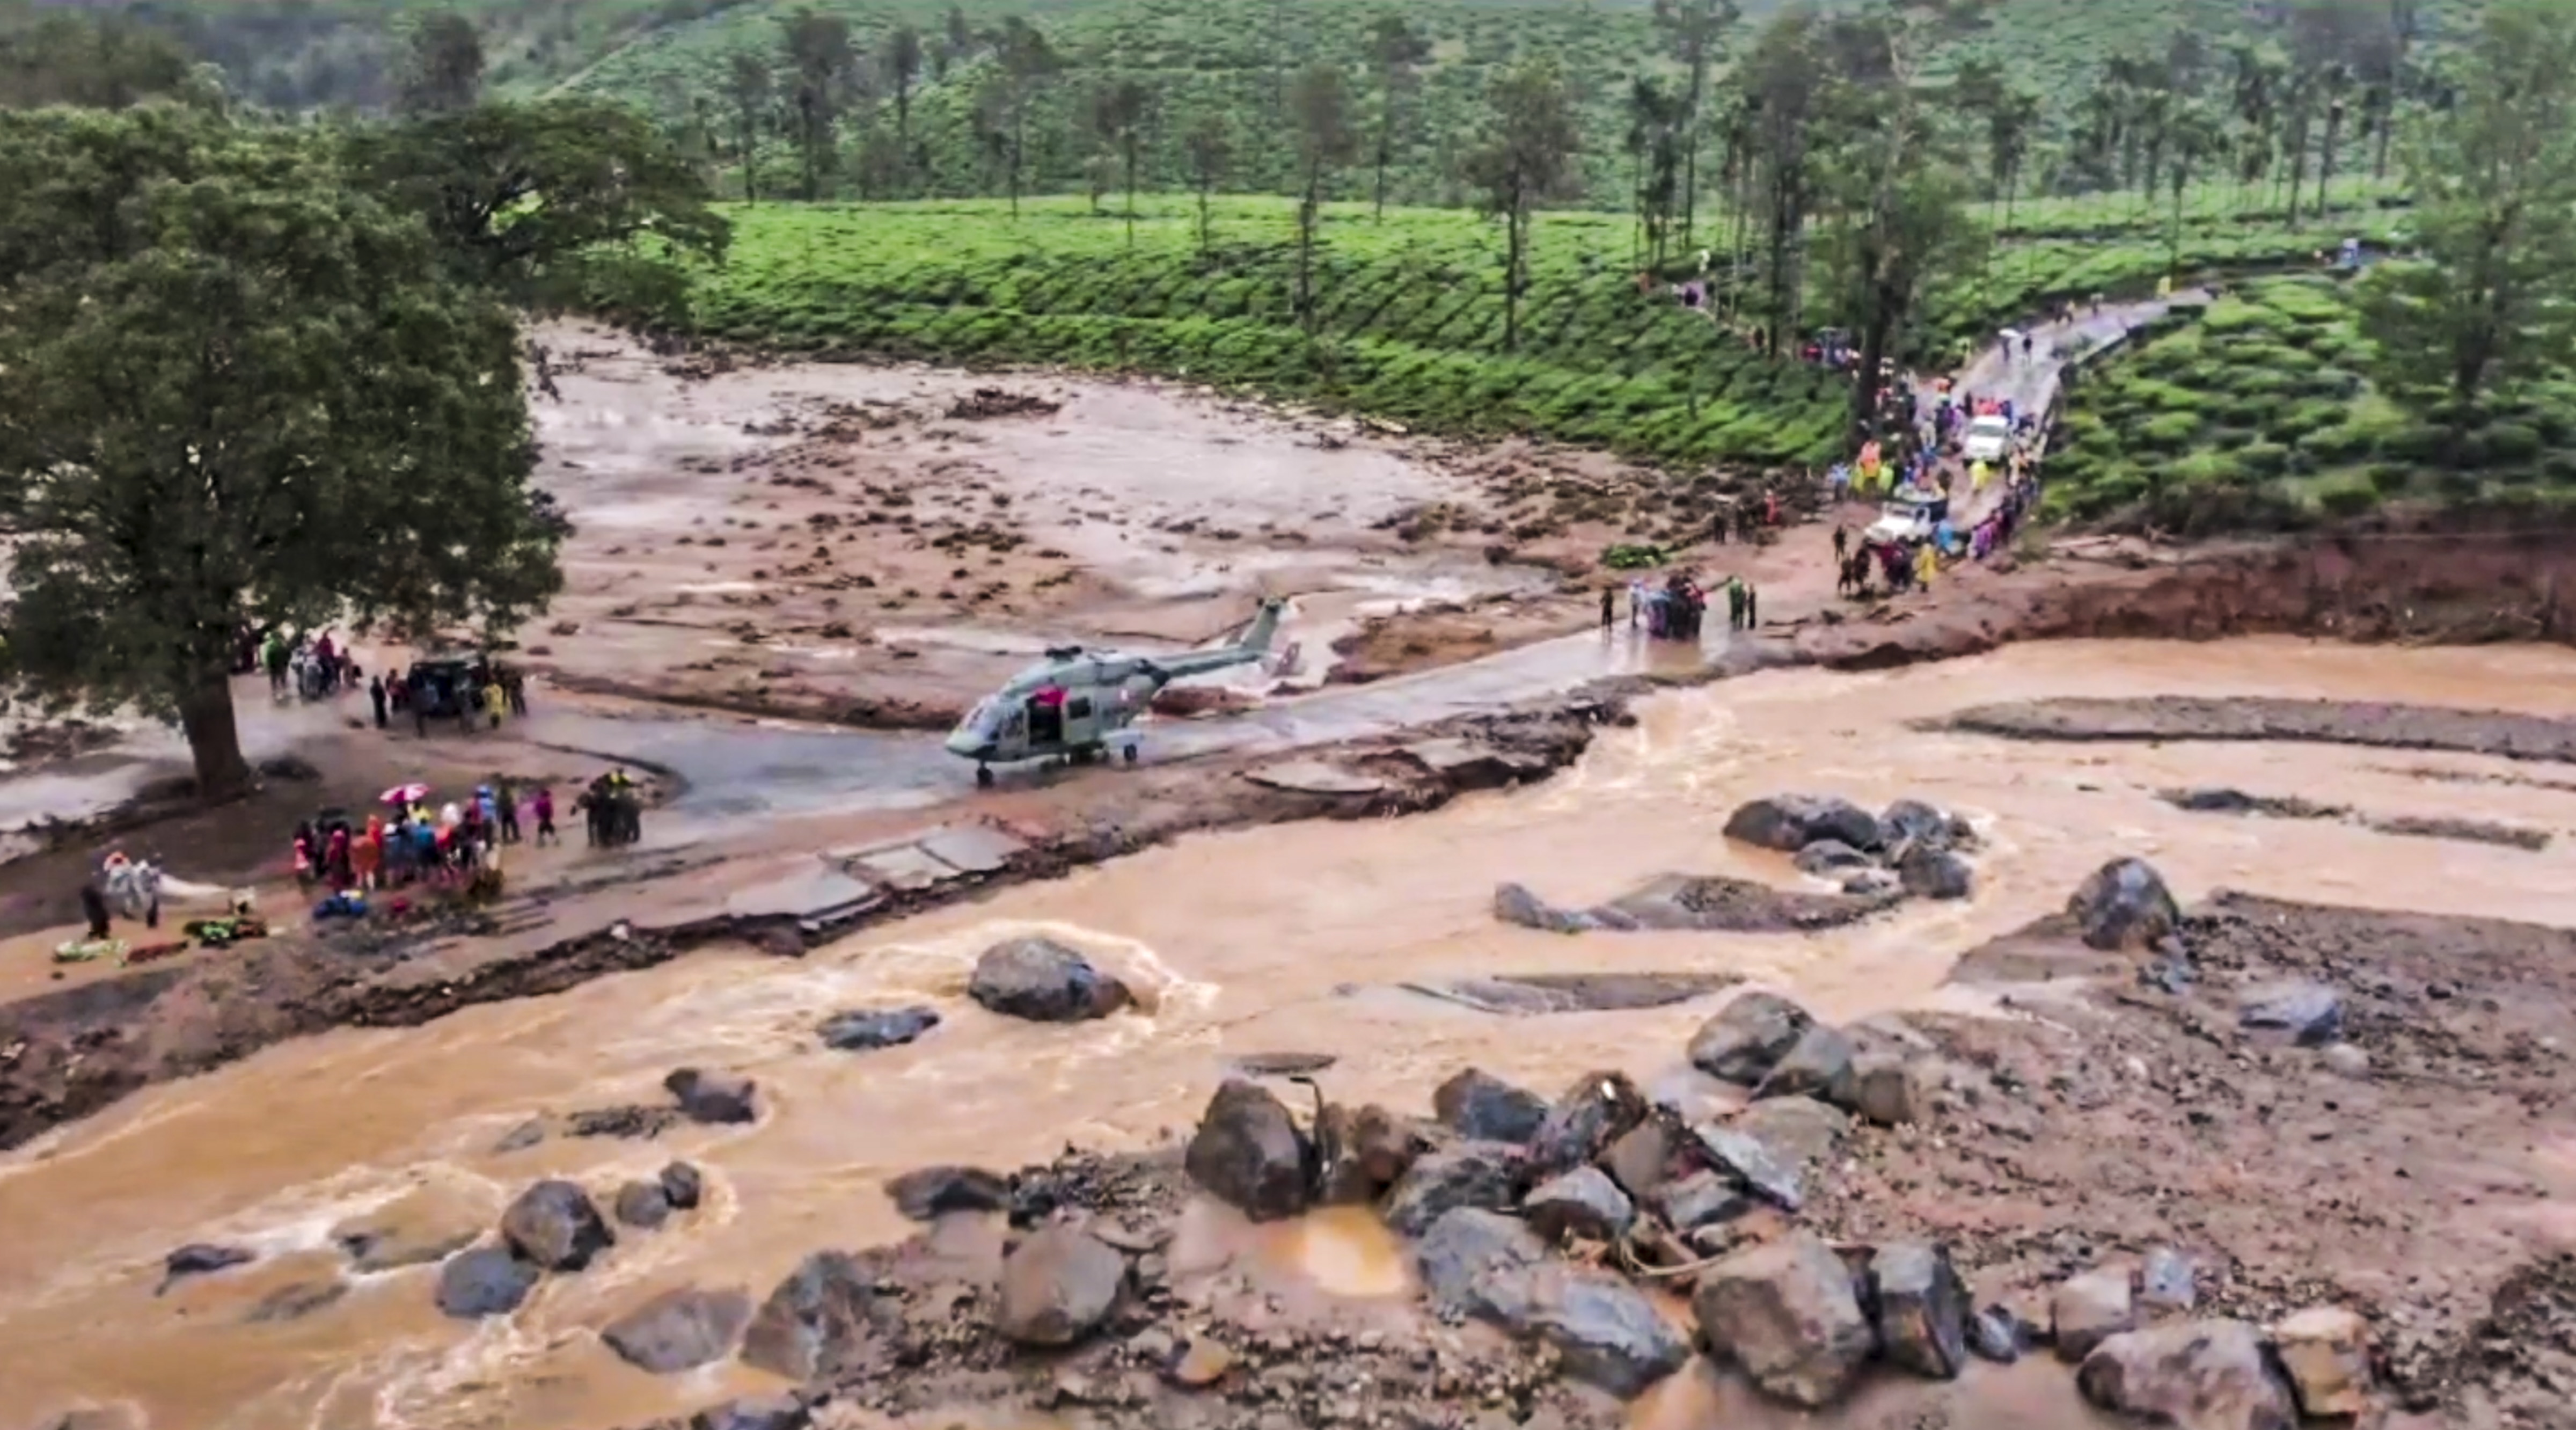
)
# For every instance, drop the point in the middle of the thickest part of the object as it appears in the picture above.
(964, 744)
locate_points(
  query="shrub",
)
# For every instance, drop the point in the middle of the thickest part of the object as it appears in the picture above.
(2344, 500)
(2170, 432)
(2511, 444)
(2263, 459)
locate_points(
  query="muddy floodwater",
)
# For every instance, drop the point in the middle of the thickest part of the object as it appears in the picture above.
(1281, 939)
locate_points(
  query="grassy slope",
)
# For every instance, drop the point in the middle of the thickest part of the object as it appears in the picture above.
(2260, 408)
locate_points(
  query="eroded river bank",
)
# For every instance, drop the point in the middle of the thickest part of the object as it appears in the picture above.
(1299, 938)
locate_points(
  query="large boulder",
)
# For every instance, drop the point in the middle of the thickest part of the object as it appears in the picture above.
(1640, 1159)
(2209, 1375)
(2326, 1351)
(2124, 905)
(1830, 858)
(1786, 1313)
(1045, 982)
(1791, 822)
(1818, 1065)
(2310, 1014)
(1913, 822)
(1921, 1308)
(1582, 1203)
(1592, 1113)
(1927, 872)
(1249, 1154)
(2090, 1309)
(1748, 1035)
(1057, 1286)
(642, 1205)
(1467, 1245)
(1751, 1164)
(1606, 1329)
(1702, 1199)
(1893, 1087)
(683, 1186)
(487, 1281)
(1515, 904)
(555, 1225)
(1482, 1107)
(929, 1193)
(679, 1330)
(1470, 1174)
(712, 1096)
(815, 1318)
(1801, 1133)
(867, 1029)
(1361, 1152)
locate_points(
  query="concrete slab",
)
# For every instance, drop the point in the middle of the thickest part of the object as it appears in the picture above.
(1315, 777)
(817, 892)
(972, 847)
(903, 867)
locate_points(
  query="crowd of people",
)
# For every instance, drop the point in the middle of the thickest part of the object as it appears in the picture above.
(456, 845)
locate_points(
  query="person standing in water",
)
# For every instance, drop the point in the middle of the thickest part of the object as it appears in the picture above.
(1609, 608)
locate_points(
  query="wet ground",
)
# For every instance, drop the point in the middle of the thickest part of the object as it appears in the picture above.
(1294, 938)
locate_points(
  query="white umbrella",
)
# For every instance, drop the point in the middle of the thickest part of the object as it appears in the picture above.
(404, 794)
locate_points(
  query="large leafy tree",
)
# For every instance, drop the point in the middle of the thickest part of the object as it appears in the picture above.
(1527, 160)
(2492, 298)
(236, 389)
(101, 61)
(1320, 104)
(442, 68)
(550, 201)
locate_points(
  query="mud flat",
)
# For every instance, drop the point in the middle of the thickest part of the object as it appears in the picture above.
(2340, 722)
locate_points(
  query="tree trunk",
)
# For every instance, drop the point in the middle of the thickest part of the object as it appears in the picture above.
(2298, 169)
(1306, 215)
(750, 161)
(1206, 246)
(1515, 238)
(1017, 133)
(903, 139)
(206, 714)
(1131, 192)
(1873, 358)
(2326, 158)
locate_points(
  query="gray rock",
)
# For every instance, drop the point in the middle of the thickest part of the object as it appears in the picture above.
(1930, 873)
(2326, 1351)
(1791, 822)
(681, 1329)
(1471, 1174)
(756, 1412)
(201, 1259)
(2165, 1281)
(1057, 1286)
(555, 1225)
(929, 1193)
(2311, 1013)
(2209, 1375)
(1045, 982)
(1606, 1330)
(1485, 1108)
(1828, 857)
(1641, 1158)
(1893, 1088)
(867, 1029)
(1582, 1203)
(1248, 1153)
(1594, 1111)
(1802, 1133)
(2345, 1060)
(1997, 1335)
(1911, 821)
(487, 1281)
(1362, 1152)
(642, 1204)
(2124, 905)
(1467, 1245)
(1921, 1309)
(1752, 1164)
(1818, 1065)
(522, 1137)
(682, 1186)
(1516, 905)
(1785, 1312)
(1752, 1032)
(712, 1096)
(1703, 1199)
(815, 1317)
(2088, 1310)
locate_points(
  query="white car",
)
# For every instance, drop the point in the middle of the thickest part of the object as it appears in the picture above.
(1902, 523)
(1989, 437)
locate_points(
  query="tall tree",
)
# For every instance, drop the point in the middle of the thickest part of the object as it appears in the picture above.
(1527, 159)
(1784, 78)
(901, 59)
(2491, 300)
(547, 201)
(97, 61)
(2011, 120)
(1320, 103)
(819, 62)
(2193, 137)
(1398, 51)
(442, 65)
(1028, 65)
(1209, 148)
(748, 89)
(1654, 151)
(238, 391)
(1693, 30)
(2335, 85)
(1119, 111)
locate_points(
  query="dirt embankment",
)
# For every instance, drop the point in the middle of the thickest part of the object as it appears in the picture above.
(69, 1053)
(2339, 722)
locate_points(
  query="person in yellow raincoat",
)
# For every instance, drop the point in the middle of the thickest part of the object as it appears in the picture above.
(1925, 563)
(1978, 475)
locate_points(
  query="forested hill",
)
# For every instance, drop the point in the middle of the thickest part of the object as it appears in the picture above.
(680, 57)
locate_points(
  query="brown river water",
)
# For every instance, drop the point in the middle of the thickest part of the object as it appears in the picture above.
(1269, 940)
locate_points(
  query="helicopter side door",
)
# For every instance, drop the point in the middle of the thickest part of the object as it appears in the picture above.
(1081, 718)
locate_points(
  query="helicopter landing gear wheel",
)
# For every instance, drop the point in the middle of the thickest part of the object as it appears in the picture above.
(983, 777)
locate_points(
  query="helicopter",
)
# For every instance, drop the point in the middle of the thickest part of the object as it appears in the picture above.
(1081, 704)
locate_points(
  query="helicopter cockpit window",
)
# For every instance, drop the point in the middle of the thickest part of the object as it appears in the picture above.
(1078, 708)
(985, 720)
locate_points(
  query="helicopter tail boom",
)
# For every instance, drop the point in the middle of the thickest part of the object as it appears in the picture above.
(1254, 645)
